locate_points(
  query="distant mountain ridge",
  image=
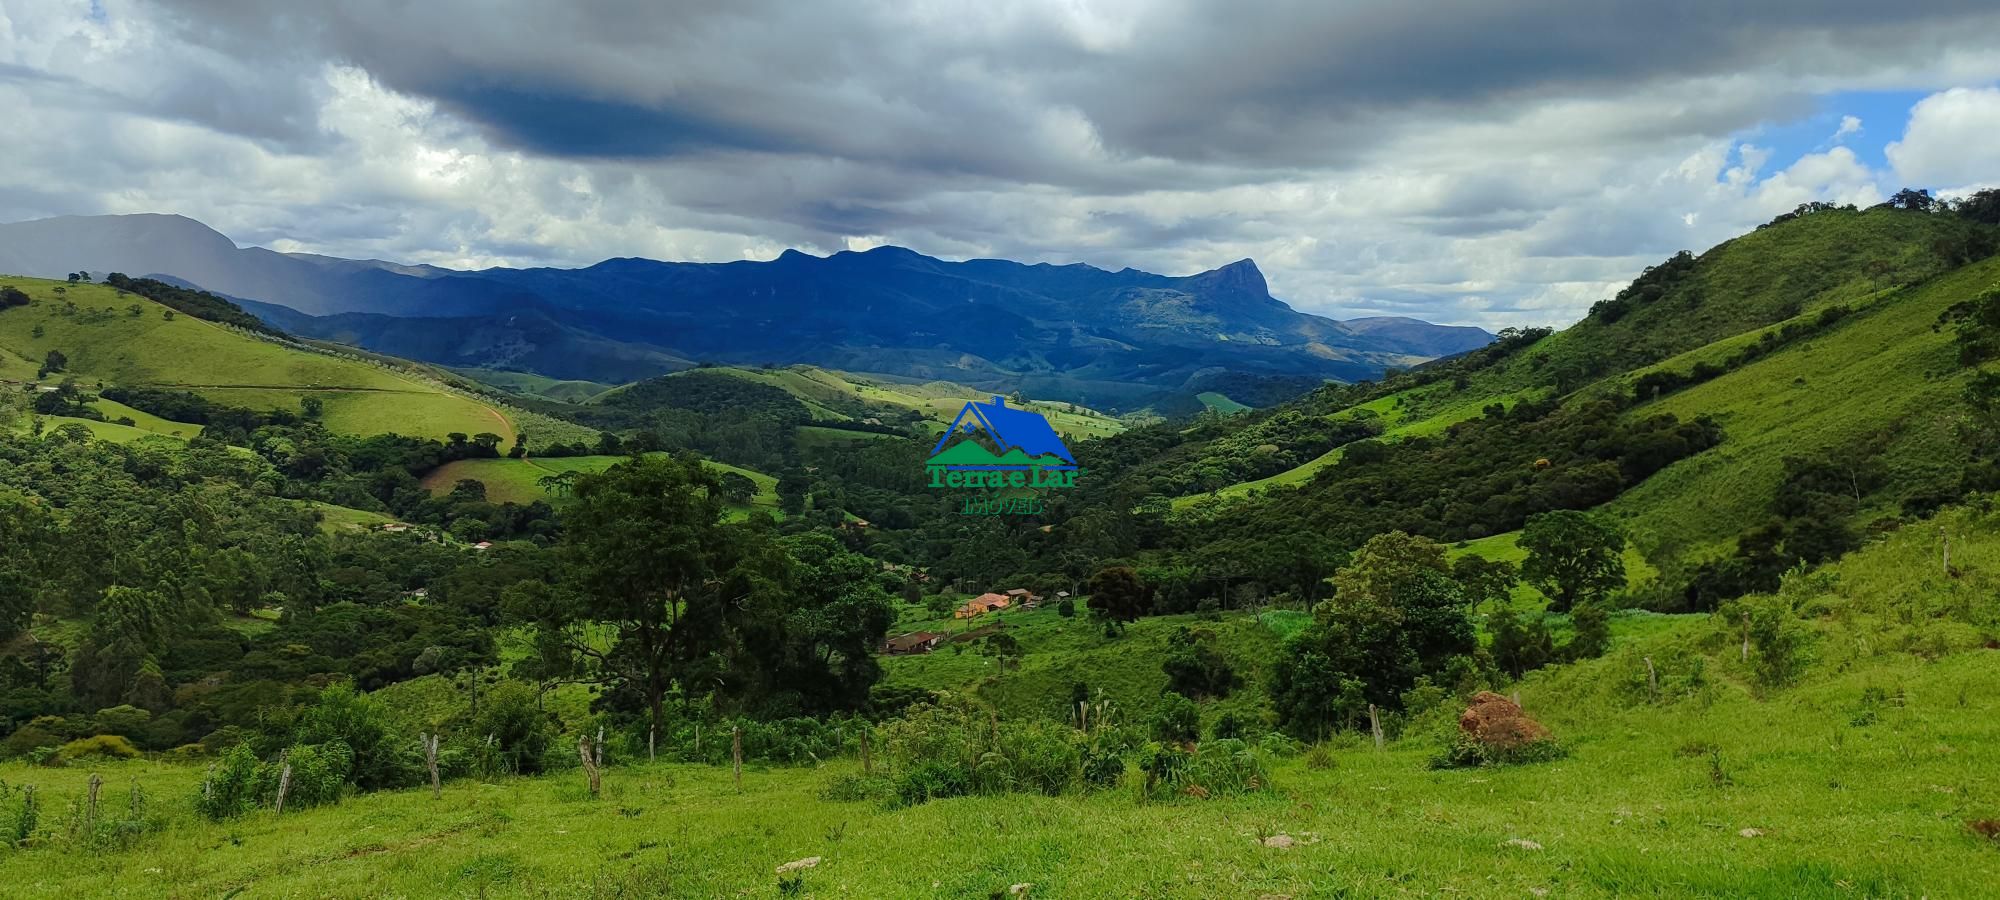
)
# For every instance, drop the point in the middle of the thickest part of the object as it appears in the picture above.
(1073, 332)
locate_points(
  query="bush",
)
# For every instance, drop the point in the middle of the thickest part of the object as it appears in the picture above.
(951, 747)
(319, 775)
(103, 746)
(1214, 768)
(523, 733)
(230, 789)
(935, 781)
(1461, 751)
(1176, 719)
(855, 787)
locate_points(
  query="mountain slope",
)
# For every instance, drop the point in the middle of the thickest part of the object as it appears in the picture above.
(1073, 332)
(119, 338)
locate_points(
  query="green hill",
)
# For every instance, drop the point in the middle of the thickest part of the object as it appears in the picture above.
(1863, 773)
(519, 480)
(119, 338)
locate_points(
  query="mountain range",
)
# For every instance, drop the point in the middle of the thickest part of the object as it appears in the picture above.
(1073, 332)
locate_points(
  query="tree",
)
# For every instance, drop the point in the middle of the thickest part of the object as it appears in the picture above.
(1396, 615)
(1572, 557)
(737, 488)
(312, 409)
(645, 555)
(13, 296)
(1195, 666)
(55, 361)
(1485, 580)
(1912, 199)
(1592, 624)
(1118, 595)
(1519, 646)
(27, 540)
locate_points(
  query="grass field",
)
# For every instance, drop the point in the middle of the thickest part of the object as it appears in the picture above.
(145, 421)
(825, 392)
(1220, 403)
(105, 343)
(566, 391)
(1398, 424)
(1862, 779)
(519, 480)
(1883, 378)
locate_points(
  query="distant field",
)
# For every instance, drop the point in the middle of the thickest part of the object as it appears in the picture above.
(1874, 376)
(1392, 417)
(938, 401)
(112, 409)
(1220, 402)
(104, 431)
(537, 385)
(519, 480)
(107, 343)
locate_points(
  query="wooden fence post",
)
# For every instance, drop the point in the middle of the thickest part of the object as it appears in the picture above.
(1652, 680)
(1375, 726)
(1746, 637)
(284, 781)
(737, 753)
(1946, 537)
(430, 745)
(867, 762)
(597, 749)
(96, 785)
(590, 772)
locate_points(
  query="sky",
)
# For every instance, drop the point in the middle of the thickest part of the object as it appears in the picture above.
(1462, 161)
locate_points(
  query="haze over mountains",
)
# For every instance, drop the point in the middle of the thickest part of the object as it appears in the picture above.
(1072, 332)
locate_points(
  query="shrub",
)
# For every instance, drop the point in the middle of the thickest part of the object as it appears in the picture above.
(932, 782)
(230, 788)
(105, 746)
(523, 734)
(854, 787)
(1214, 768)
(1176, 719)
(1462, 751)
(319, 775)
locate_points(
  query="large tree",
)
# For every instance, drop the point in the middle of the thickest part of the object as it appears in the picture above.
(1396, 615)
(646, 555)
(1572, 557)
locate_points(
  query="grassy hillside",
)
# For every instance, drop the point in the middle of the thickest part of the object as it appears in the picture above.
(1861, 779)
(107, 342)
(1884, 382)
(537, 385)
(518, 480)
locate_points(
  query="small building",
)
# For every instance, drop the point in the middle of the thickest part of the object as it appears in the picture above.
(981, 605)
(483, 545)
(915, 642)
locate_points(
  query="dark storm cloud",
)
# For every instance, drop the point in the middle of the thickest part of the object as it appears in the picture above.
(1261, 85)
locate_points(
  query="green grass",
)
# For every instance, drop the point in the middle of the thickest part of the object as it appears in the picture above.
(145, 421)
(105, 431)
(519, 480)
(1883, 376)
(1221, 403)
(565, 391)
(106, 344)
(340, 518)
(1716, 787)
(1393, 411)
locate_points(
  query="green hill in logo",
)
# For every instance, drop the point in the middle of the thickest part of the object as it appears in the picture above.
(972, 453)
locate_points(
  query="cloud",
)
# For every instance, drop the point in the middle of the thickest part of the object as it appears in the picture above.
(1949, 142)
(1374, 158)
(1849, 125)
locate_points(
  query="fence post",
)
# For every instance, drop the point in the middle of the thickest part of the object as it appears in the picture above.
(284, 781)
(430, 745)
(589, 764)
(736, 752)
(867, 762)
(96, 785)
(1652, 680)
(597, 749)
(1375, 726)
